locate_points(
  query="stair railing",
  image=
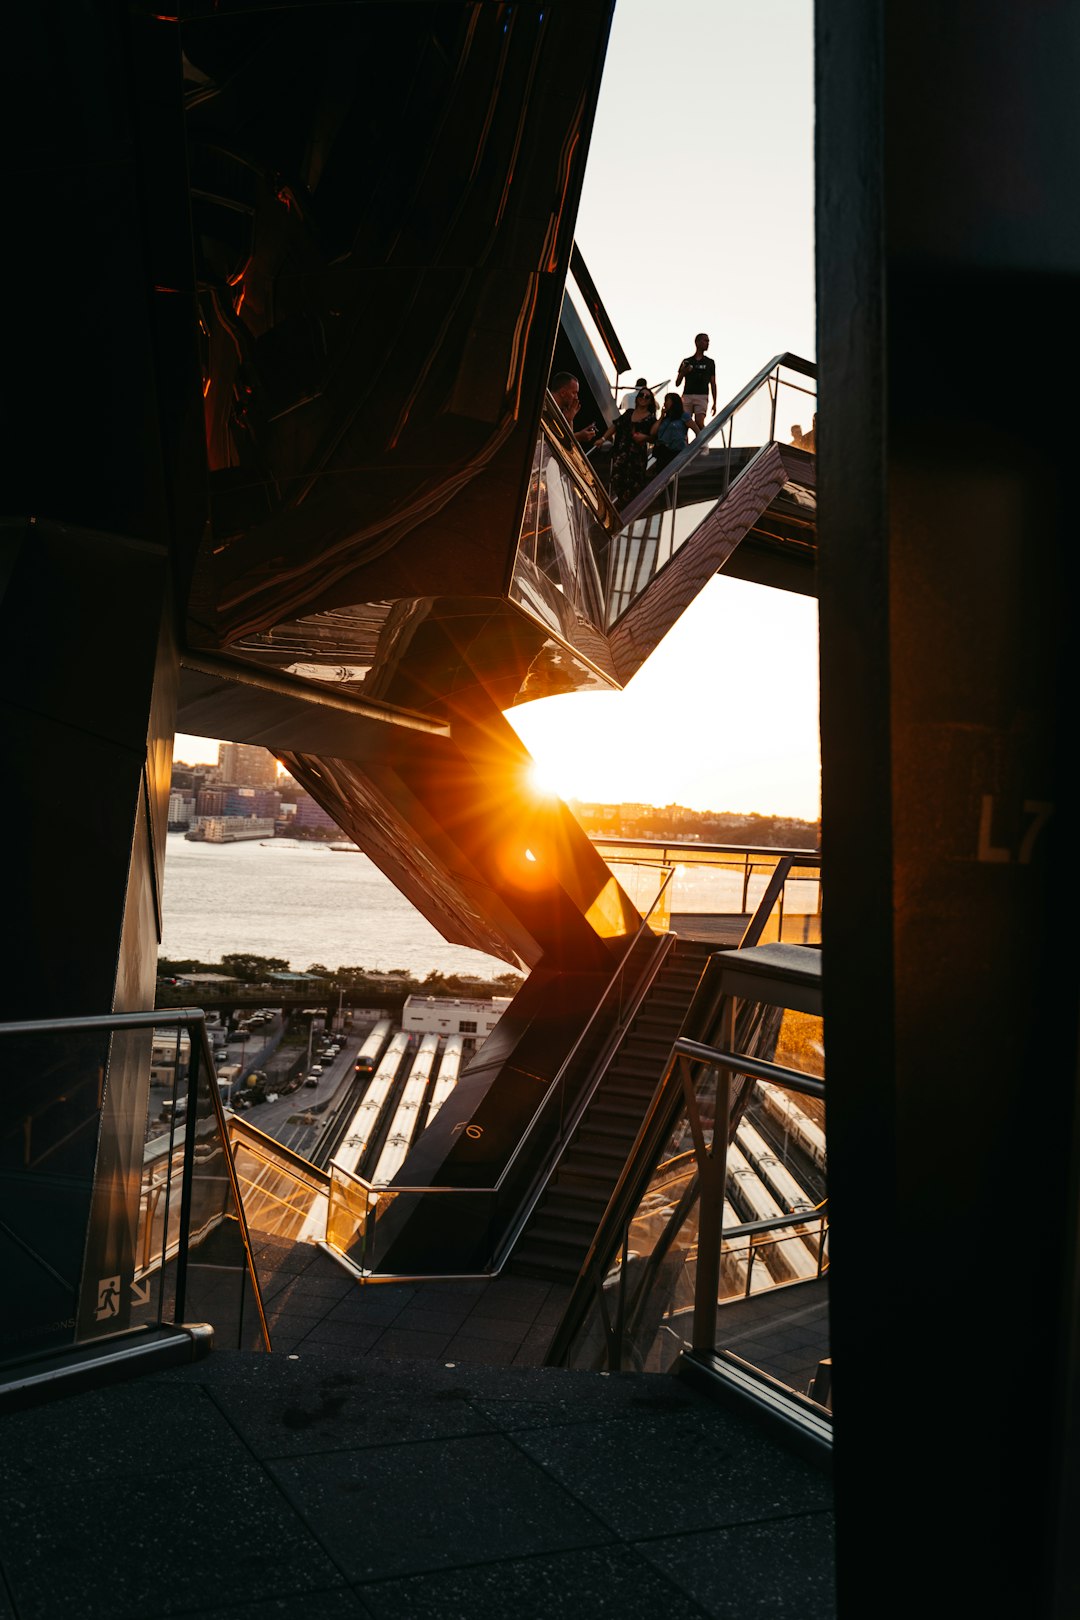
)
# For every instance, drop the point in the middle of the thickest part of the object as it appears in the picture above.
(356, 1205)
(636, 516)
(676, 1088)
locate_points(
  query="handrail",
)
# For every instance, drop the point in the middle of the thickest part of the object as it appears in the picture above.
(801, 857)
(715, 1057)
(645, 497)
(142, 1020)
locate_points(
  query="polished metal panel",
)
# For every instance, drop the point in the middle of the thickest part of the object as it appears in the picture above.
(457, 825)
(380, 260)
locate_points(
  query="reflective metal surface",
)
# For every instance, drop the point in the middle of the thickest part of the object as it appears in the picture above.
(380, 258)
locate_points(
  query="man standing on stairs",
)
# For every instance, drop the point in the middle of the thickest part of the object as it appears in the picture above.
(698, 371)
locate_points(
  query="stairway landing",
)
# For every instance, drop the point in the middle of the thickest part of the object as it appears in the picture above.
(247, 1487)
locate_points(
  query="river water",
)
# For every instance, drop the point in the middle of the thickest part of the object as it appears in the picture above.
(308, 903)
(304, 902)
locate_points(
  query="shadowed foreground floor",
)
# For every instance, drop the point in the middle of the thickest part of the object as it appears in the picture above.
(323, 1485)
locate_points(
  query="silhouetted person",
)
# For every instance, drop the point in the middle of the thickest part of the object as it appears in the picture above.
(669, 434)
(698, 371)
(566, 392)
(629, 399)
(631, 432)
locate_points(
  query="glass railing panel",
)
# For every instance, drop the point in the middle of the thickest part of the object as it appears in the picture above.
(411, 1231)
(776, 1185)
(645, 884)
(571, 536)
(774, 1238)
(50, 1112)
(796, 916)
(350, 1214)
(796, 411)
(686, 517)
(752, 423)
(635, 556)
(214, 1272)
(715, 457)
(283, 1205)
(725, 888)
(94, 1150)
(801, 1045)
(160, 1204)
(714, 888)
(793, 1127)
(641, 1315)
(560, 535)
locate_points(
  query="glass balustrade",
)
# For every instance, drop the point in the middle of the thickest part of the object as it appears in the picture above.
(721, 888)
(723, 1249)
(119, 1207)
(582, 563)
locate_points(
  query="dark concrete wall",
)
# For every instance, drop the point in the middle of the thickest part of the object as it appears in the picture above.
(947, 282)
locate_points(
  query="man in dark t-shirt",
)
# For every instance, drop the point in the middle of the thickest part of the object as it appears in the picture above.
(698, 372)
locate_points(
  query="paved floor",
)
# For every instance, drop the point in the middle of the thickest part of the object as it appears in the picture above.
(313, 1304)
(324, 1485)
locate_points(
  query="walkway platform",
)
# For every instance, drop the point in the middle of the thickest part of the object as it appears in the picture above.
(328, 1485)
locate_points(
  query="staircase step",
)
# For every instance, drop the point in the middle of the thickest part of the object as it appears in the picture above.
(558, 1236)
(564, 1246)
(592, 1195)
(630, 1089)
(532, 1263)
(611, 1133)
(633, 1060)
(613, 1104)
(563, 1217)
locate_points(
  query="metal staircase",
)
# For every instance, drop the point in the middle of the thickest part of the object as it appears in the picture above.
(555, 1241)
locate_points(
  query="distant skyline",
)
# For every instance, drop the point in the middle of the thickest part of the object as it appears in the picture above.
(697, 214)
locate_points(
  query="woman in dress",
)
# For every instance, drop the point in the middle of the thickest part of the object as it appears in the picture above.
(669, 433)
(632, 435)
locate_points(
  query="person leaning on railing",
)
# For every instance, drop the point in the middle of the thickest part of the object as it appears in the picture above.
(566, 392)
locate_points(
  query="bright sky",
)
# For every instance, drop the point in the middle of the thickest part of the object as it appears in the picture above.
(697, 215)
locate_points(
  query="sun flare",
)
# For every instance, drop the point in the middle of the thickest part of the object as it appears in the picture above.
(547, 781)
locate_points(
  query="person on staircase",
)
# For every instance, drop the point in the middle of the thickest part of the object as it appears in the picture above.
(698, 372)
(631, 433)
(669, 433)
